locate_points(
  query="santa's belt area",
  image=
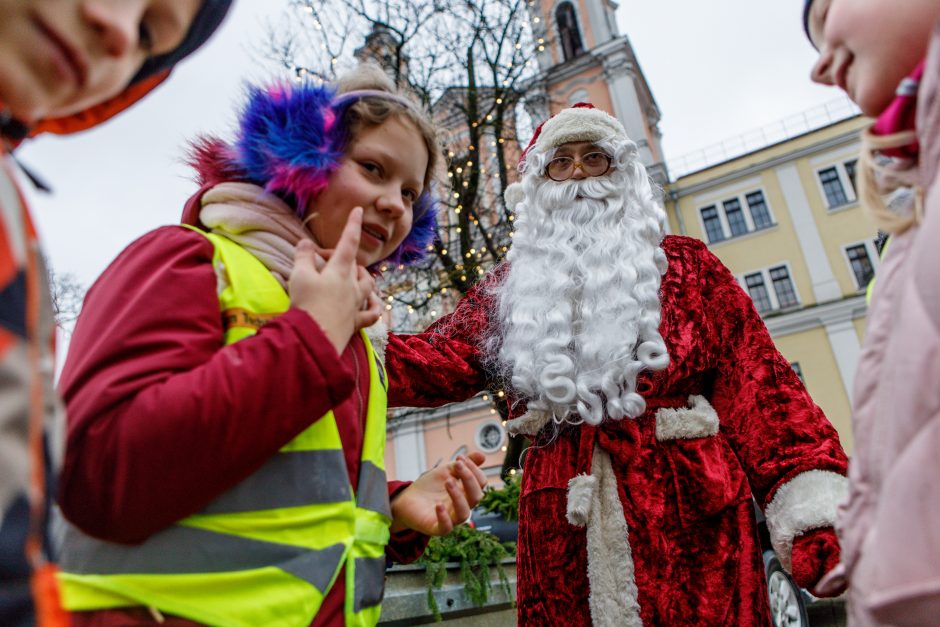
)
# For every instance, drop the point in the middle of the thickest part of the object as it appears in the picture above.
(594, 501)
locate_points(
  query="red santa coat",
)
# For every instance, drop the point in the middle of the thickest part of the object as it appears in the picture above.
(684, 475)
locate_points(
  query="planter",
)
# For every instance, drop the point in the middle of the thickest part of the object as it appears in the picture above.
(406, 594)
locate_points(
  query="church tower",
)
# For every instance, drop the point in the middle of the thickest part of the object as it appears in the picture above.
(583, 57)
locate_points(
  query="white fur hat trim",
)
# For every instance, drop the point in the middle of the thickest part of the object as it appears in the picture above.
(578, 124)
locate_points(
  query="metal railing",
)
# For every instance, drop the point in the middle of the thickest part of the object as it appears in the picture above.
(793, 126)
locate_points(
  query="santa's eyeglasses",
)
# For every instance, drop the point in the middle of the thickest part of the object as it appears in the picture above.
(592, 164)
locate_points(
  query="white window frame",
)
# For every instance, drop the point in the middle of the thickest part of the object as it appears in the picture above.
(847, 187)
(869, 245)
(769, 285)
(745, 211)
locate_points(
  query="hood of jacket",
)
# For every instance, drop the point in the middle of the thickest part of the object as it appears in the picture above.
(151, 74)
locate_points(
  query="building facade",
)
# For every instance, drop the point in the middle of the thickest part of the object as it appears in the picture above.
(786, 221)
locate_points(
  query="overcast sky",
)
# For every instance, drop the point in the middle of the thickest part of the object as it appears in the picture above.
(717, 69)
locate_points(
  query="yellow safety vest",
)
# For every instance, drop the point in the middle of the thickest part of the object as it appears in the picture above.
(267, 551)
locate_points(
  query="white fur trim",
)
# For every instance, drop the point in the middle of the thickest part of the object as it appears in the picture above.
(513, 195)
(578, 125)
(698, 420)
(378, 336)
(614, 597)
(529, 423)
(807, 501)
(580, 497)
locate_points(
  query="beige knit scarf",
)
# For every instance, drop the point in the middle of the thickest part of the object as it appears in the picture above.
(259, 222)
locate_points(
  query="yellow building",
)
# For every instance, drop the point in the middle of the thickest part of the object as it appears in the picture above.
(786, 221)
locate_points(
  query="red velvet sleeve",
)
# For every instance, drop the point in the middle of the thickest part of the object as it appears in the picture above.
(443, 364)
(775, 428)
(405, 546)
(162, 418)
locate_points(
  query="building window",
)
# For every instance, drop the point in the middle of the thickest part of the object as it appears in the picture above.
(713, 228)
(490, 437)
(735, 215)
(861, 263)
(733, 218)
(799, 371)
(783, 287)
(833, 188)
(772, 289)
(850, 173)
(758, 291)
(568, 32)
(760, 215)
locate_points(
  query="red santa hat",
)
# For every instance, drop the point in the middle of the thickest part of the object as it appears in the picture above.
(581, 122)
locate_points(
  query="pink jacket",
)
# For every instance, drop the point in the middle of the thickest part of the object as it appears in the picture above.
(890, 526)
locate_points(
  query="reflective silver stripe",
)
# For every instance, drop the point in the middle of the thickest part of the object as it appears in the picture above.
(316, 567)
(186, 550)
(370, 582)
(372, 493)
(289, 479)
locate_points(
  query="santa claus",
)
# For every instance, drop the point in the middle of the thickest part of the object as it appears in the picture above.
(656, 400)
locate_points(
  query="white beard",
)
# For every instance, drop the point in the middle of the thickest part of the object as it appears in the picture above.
(579, 310)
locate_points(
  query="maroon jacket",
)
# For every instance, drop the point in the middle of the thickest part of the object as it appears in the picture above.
(163, 417)
(686, 494)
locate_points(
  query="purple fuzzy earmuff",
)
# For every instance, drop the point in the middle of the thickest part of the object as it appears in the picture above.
(291, 138)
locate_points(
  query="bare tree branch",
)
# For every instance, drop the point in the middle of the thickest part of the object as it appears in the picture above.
(470, 63)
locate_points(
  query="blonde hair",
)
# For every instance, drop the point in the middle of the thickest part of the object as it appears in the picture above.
(877, 179)
(370, 112)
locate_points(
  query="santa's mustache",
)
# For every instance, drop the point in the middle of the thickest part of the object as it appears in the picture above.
(559, 195)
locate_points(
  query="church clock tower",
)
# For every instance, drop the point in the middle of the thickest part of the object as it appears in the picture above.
(583, 57)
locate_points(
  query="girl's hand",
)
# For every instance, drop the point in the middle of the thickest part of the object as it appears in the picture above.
(441, 498)
(336, 292)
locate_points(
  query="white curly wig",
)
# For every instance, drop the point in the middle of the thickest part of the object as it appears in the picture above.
(579, 312)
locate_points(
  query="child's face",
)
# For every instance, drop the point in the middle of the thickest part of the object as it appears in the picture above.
(866, 47)
(59, 57)
(382, 172)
